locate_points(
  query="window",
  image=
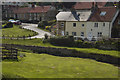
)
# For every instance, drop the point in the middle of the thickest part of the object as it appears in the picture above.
(30, 16)
(40, 18)
(96, 25)
(62, 24)
(67, 33)
(99, 34)
(82, 34)
(14, 16)
(35, 16)
(103, 13)
(118, 21)
(24, 16)
(74, 33)
(83, 25)
(103, 24)
(74, 24)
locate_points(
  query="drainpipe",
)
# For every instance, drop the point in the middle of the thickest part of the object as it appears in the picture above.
(110, 25)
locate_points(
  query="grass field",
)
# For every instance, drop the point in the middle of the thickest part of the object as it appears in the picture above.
(48, 66)
(16, 31)
(38, 42)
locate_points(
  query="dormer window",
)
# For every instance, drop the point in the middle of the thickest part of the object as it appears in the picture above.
(78, 14)
(103, 13)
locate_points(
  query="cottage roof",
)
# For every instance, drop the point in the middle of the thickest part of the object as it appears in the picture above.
(21, 10)
(37, 9)
(40, 9)
(103, 14)
(72, 16)
(87, 5)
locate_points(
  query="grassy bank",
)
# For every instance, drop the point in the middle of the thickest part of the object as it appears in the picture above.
(48, 66)
(15, 31)
(38, 42)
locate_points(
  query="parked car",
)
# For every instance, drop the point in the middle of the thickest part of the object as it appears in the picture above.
(18, 22)
(12, 21)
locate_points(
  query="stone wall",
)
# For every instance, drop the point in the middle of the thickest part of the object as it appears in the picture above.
(63, 52)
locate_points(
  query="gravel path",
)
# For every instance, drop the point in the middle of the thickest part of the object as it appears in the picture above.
(33, 27)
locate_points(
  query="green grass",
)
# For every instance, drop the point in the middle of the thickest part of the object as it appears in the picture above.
(38, 42)
(15, 31)
(48, 66)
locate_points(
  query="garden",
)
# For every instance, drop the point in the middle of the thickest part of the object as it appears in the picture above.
(15, 31)
(56, 57)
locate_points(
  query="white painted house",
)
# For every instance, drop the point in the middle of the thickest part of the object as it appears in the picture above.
(87, 24)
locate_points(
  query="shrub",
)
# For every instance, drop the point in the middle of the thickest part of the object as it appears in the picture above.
(46, 36)
(62, 41)
(8, 25)
(42, 24)
(87, 44)
(79, 43)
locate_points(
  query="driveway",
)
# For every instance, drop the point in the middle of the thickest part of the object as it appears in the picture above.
(33, 27)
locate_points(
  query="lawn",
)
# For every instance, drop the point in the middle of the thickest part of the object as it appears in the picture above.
(38, 42)
(15, 31)
(48, 66)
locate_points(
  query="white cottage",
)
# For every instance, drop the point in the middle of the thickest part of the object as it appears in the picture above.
(87, 24)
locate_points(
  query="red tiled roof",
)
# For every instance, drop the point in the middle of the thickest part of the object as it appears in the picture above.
(87, 5)
(21, 10)
(40, 9)
(37, 9)
(110, 12)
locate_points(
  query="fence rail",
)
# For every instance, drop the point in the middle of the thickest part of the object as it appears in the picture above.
(9, 53)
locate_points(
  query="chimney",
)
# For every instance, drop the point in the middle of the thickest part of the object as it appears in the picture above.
(33, 6)
(93, 7)
(96, 5)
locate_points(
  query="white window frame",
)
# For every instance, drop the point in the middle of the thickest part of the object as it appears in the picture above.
(24, 16)
(75, 24)
(99, 34)
(104, 24)
(83, 24)
(34, 16)
(74, 33)
(82, 34)
(95, 24)
(30, 16)
(14, 16)
(62, 24)
(67, 33)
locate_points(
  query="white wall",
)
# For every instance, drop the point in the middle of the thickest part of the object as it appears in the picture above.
(104, 29)
(78, 29)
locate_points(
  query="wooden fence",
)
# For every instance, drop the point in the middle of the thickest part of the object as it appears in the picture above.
(9, 53)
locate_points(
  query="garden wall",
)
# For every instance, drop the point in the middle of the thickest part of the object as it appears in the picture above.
(68, 53)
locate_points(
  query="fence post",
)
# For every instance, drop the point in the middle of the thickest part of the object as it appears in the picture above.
(17, 37)
(24, 37)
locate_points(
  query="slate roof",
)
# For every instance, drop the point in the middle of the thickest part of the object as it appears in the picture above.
(110, 13)
(69, 16)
